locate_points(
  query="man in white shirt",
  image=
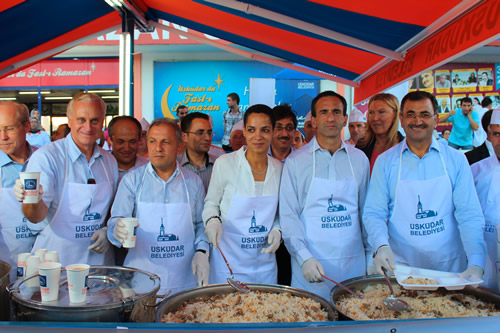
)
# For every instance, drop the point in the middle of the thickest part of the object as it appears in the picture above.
(357, 127)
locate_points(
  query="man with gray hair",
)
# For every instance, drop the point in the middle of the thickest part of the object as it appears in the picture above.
(168, 201)
(15, 151)
(77, 185)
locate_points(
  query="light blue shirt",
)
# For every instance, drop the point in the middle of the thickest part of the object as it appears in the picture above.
(10, 169)
(380, 198)
(156, 190)
(50, 160)
(296, 180)
(461, 132)
(38, 139)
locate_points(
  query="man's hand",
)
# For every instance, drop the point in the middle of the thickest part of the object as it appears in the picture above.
(274, 240)
(312, 270)
(101, 244)
(201, 268)
(213, 231)
(384, 258)
(472, 273)
(19, 190)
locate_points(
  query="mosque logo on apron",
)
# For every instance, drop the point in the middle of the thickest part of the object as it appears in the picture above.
(254, 228)
(423, 214)
(334, 208)
(162, 237)
(91, 216)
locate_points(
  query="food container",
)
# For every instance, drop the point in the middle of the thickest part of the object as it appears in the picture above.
(173, 302)
(115, 294)
(361, 282)
(4, 295)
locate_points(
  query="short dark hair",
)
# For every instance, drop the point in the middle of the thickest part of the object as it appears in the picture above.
(188, 120)
(181, 106)
(486, 101)
(328, 93)
(117, 119)
(67, 129)
(446, 129)
(284, 111)
(234, 96)
(465, 100)
(418, 96)
(262, 109)
(486, 120)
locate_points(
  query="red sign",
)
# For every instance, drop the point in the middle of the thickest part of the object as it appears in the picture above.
(51, 73)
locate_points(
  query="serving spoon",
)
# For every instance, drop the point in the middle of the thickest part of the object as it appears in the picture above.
(232, 281)
(391, 302)
(343, 287)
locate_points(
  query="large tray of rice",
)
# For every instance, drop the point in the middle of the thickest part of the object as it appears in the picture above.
(442, 303)
(220, 303)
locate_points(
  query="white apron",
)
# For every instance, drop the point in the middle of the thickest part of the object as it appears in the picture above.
(492, 218)
(423, 231)
(165, 242)
(15, 236)
(246, 229)
(333, 232)
(82, 210)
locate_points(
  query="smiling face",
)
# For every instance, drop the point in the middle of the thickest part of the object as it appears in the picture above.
(199, 138)
(418, 120)
(428, 80)
(86, 120)
(125, 142)
(258, 132)
(381, 117)
(283, 134)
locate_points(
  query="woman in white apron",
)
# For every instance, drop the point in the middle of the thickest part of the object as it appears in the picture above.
(241, 206)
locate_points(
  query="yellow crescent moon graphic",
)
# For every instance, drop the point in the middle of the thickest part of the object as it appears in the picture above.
(164, 104)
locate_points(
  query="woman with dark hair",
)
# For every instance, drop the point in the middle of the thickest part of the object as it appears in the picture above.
(240, 212)
(472, 78)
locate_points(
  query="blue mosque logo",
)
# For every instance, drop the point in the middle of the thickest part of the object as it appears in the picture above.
(421, 214)
(91, 216)
(30, 184)
(162, 237)
(254, 227)
(43, 280)
(334, 208)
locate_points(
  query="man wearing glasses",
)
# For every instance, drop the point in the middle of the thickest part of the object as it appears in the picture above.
(197, 136)
(286, 124)
(77, 185)
(421, 208)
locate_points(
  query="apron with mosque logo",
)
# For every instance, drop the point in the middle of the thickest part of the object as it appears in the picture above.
(333, 231)
(165, 242)
(423, 231)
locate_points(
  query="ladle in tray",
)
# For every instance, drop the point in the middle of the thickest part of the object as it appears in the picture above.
(391, 302)
(232, 281)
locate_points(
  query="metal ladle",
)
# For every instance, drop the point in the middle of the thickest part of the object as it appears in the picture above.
(232, 281)
(391, 302)
(343, 287)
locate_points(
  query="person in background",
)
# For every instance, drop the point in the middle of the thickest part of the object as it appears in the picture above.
(241, 206)
(464, 123)
(487, 179)
(142, 148)
(486, 149)
(485, 80)
(298, 140)
(357, 128)
(168, 201)
(77, 185)
(443, 108)
(36, 136)
(309, 130)
(445, 134)
(181, 112)
(286, 124)
(237, 138)
(480, 134)
(15, 152)
(421, 209)
(443, 82)
(427, 80)
(382, 126)
(322, 193)
(472, 78)
(197, 136)
(229, 118)
(61, 132)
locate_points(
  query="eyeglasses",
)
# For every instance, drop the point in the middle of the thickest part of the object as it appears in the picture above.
(288, 128)
(423, 115)
(202, 133)
(9, 129)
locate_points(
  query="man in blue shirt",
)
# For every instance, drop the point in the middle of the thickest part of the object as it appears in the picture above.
(464, 124)
(421, 208)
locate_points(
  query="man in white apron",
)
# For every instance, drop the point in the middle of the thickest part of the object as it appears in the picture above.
(322, 191)
(78, 181)
(487, 179)
(15, 151)
(168, 201)
(421, 209)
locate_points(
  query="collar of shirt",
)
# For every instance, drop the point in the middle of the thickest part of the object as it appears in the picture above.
(152, 172)
(315, 146)
(270, 153)
(5, 159)
(184, 159)
(74, 152)
(434, 145)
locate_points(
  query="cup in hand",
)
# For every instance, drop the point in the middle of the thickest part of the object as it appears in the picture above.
(32, 269)
(31, 183)
(77, 282)
(49, 274)
(51, 256)
(131, 223)
(21, 264)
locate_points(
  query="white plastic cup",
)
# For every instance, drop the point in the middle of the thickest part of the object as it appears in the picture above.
(32, 263)
(51, 256)
(49, 274)
(31, 183)
(21, 264)
(41, 253)
(77, 282)
(132, 224)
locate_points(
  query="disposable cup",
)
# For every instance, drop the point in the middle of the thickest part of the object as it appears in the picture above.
(31, 183)
(51, 256)
(49, 274)
(77, 282)
(41, 253)
(131, 223)
(21, 264)
(32, 269)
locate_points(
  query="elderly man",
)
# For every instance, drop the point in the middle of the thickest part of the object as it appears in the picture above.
(487, 178)
(284, 130)
(15, 235)
(464, 124)
(197, 136)
(168, 201)
(78, 181)
(421, 209)
(322, 192)
(237, 138)
(357, 127)
(125, 133)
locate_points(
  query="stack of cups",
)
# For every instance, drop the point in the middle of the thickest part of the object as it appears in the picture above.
(32, 263)
(77, 282)
(49, 274)
(41, 253)
(132, 223)
(31, 182)
(21, 264)
(51, 256)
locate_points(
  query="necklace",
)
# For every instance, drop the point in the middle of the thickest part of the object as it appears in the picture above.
(258, 172)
